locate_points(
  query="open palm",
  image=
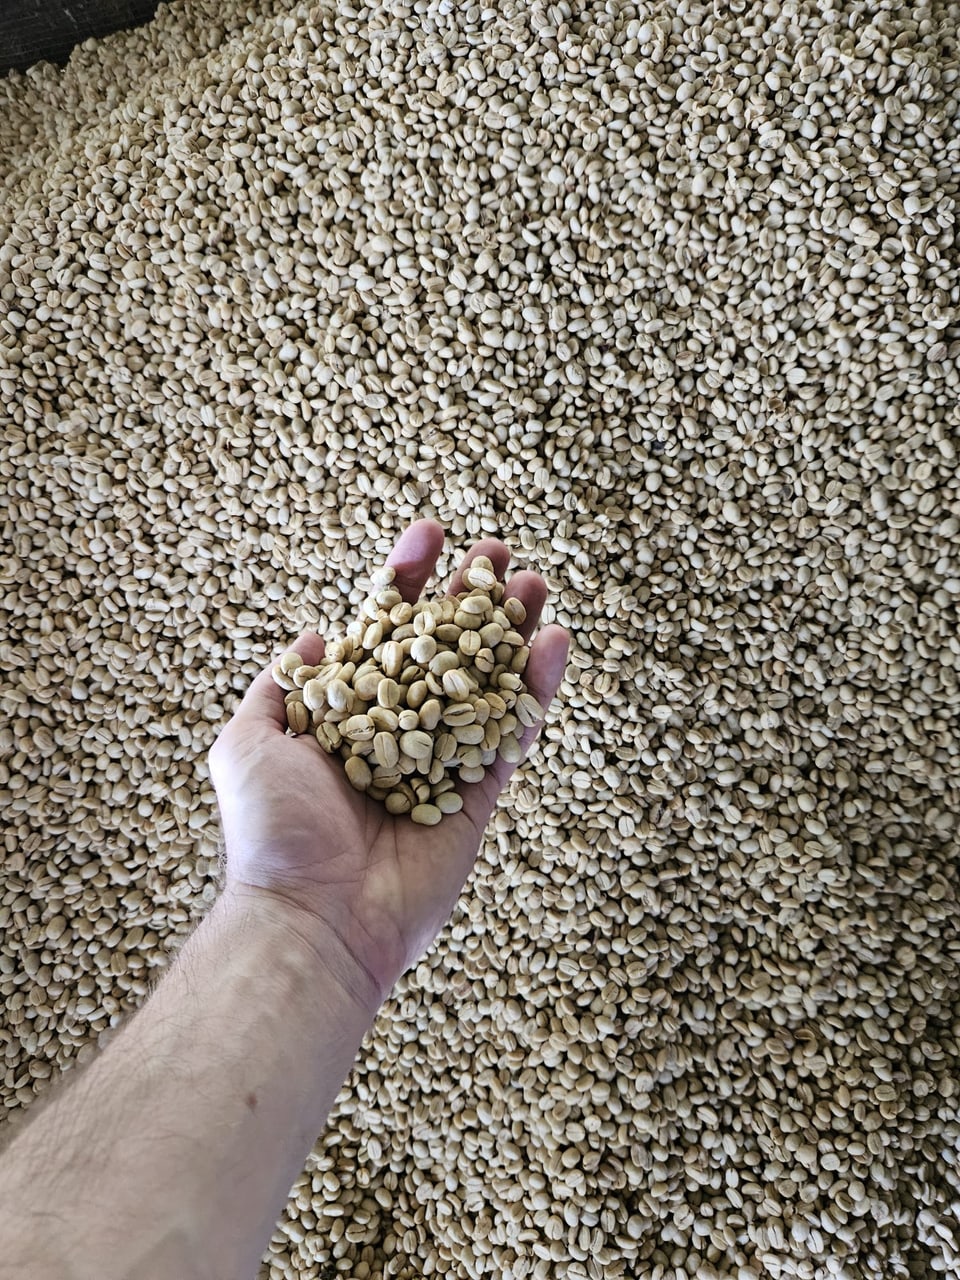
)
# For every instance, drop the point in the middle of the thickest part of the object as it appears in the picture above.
(382, 886)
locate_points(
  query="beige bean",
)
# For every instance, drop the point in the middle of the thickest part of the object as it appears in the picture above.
(470, 756)
(359, 728)
(515, 610)
(303, 674)
(339, 695)
(384, 777)
(328, 735)
(475, 604)
(388, 694)
(408, 720)
(447, 633)
(314, 695)
(423, 649)
(464, 620)
(469, 734)
(373, 635)
(436, 771)
(298, 718)
(386, 750)
(428, 815)
(358, 771)
(417, 694)
(459, 713)
(424, 624)
(365, 686)
(283, 680)
(477, 577)
(430, 714)
(397, 803)
(388, 598)
(469, 643)
(529, 710)
(509, 748)
(496, 704)
(448, 801)
(456, 684)
(518, 663)
(444, 662)
(472, 774)
(445, 747)
(490, 635)
(401, 614)
(484, 661)
(391, 658)
(417, 744)
(384, 718)
(290, 661)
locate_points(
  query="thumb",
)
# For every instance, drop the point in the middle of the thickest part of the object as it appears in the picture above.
(264, 701)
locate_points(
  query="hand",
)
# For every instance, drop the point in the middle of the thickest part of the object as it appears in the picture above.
(359, 881)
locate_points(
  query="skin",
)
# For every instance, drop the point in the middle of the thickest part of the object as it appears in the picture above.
(172, 1154)
(384, 886)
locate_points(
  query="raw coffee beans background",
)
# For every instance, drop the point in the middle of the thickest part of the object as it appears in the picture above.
(665, 296)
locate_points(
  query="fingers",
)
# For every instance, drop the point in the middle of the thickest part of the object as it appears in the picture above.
(309, 645)
(264, 700)
(531, 590)
(415, 556)
(496, 553)
(545, 668)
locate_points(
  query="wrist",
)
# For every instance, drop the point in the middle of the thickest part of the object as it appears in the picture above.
(319, 951)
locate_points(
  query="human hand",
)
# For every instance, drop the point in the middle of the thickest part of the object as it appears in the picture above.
(357, 880)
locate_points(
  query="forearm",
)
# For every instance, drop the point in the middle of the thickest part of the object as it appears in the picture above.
(173, 1154)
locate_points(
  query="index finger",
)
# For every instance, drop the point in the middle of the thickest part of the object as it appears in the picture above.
(545, 670)
(414, 558)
